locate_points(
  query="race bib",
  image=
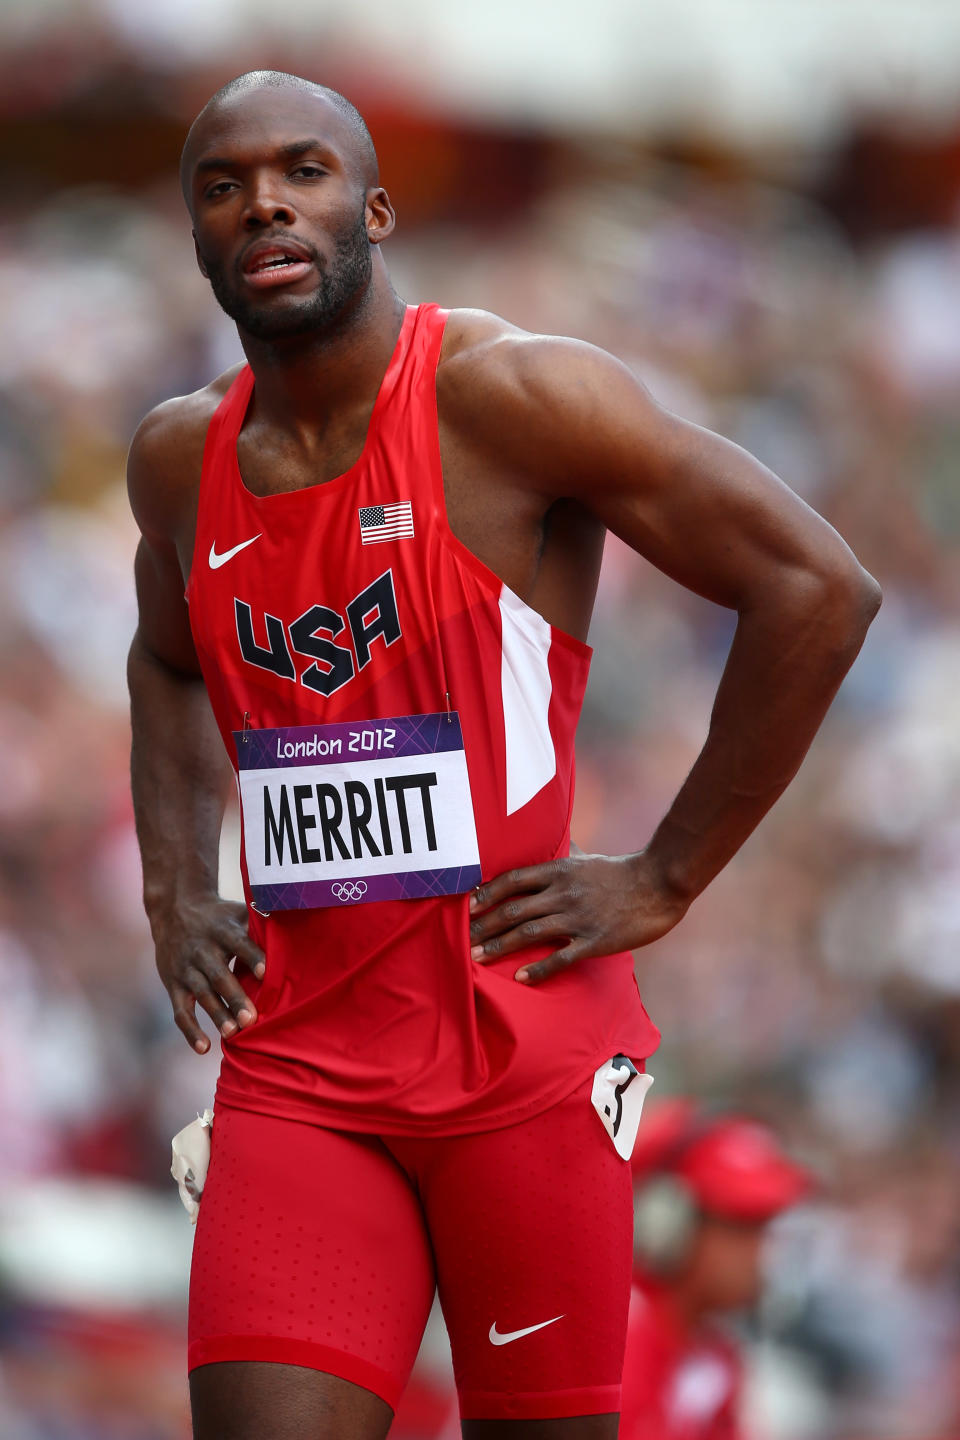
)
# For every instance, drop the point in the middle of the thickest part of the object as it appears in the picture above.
(348, 813)
(619, 1091)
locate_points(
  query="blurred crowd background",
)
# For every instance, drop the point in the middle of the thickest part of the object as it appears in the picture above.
(757, 206)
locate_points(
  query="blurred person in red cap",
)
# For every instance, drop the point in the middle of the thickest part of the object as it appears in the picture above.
(388, 526)
(706, 1186)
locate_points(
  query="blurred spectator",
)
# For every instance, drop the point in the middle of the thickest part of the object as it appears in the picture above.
(705, 1190)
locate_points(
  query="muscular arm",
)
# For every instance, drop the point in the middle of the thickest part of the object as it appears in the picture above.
(716, 520)
(179, 770)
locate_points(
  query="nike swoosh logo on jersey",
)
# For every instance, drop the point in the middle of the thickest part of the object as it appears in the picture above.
(217, 560)
(497, 1339)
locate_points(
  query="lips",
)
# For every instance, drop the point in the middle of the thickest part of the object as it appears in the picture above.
(275, 262)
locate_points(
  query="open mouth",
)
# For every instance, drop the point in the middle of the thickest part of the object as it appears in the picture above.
(275, 264)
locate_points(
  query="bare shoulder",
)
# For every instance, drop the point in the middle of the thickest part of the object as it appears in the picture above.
(166, 457)
(549, 393)
(480, 345)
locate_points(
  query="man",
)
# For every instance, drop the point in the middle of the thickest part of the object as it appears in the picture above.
(707, 1188)
(390, 527)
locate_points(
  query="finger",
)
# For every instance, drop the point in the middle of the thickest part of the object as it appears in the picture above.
(559, 960)
(514, 882)
(184, 1015)
(511, 913)
(236, 940)
(237, 911)
(531, 932)
(220, 979)
(211, 1002)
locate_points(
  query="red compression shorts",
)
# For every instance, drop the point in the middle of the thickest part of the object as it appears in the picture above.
(320, 1248)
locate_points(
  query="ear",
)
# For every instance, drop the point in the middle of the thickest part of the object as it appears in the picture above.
(196, 249)
(380, 215)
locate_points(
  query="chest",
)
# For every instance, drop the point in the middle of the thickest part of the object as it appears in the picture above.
(494, 512)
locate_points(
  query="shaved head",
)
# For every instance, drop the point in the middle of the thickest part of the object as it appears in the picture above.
(280, 178)
(359, 151)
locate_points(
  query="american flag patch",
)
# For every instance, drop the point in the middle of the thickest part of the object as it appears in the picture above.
(386, 522)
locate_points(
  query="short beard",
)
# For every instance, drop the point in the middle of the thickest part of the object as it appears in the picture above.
(340, 284)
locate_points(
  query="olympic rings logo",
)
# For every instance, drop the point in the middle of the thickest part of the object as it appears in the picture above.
(349, 890)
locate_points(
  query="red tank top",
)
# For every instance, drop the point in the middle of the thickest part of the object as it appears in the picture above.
(402, 724)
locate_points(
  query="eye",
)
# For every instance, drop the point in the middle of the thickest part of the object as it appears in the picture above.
(218, 188)
(309, 170)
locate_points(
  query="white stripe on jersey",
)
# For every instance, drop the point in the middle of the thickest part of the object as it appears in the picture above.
(525, 689)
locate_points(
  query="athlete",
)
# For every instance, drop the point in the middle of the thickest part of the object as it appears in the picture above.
(388, 526)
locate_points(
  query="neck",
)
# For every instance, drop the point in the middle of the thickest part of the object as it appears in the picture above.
(682, 1300)
(688, 1306)
(303, 381)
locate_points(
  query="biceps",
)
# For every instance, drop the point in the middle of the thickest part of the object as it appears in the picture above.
(712, 517)
(164, 618)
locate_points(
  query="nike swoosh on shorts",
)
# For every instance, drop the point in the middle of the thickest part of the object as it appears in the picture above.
(217, 560)
(497, 1339)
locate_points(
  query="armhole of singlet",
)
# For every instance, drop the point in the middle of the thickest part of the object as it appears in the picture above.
(487, 577)
(237, 397)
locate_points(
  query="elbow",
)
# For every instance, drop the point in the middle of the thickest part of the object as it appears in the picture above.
(858, 595)
(871, 597)
(849, 600)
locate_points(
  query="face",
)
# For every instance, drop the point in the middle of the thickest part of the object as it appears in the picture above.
(283, 221)
(725, 1264)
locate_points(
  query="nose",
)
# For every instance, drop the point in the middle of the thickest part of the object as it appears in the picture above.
(264, 206)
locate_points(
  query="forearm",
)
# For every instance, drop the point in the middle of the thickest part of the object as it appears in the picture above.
(180, 776)
(785, 666)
